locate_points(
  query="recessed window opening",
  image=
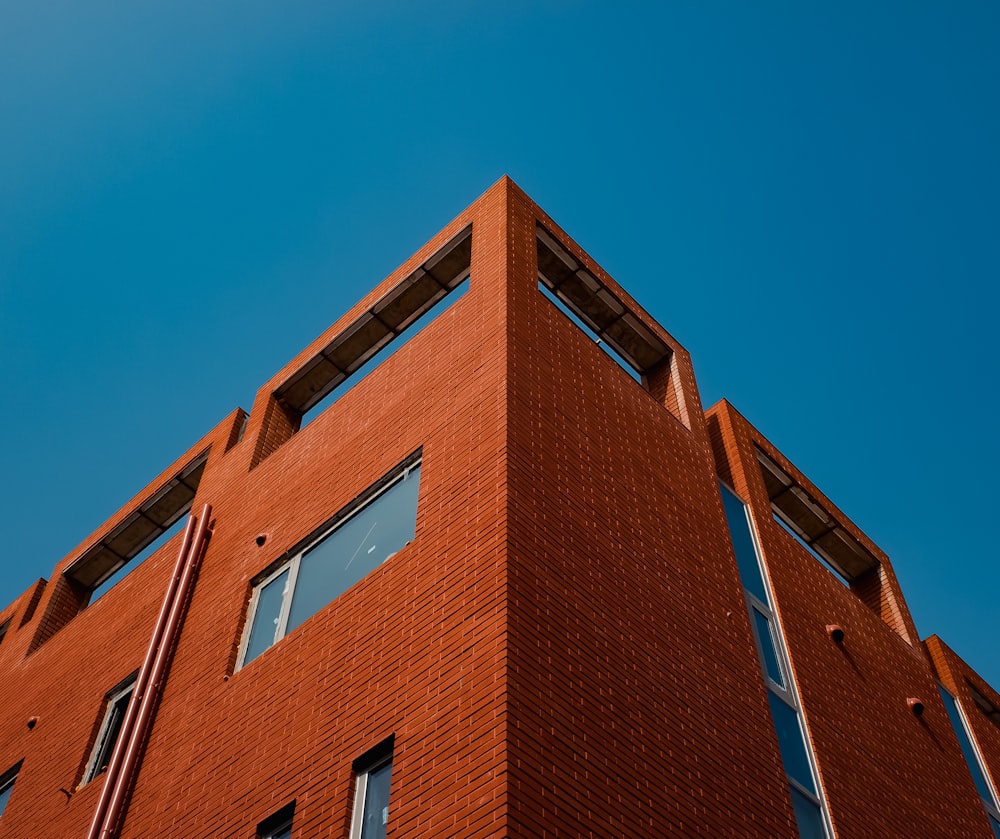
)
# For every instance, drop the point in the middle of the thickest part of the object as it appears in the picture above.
(373, 774)
(278, 825)
(116, 704)
(140, 535)
(596, 309)
(835, 572)
(565, 309)
(124, 570)
(398, 311)
(3, 629)
(812, 525)
(387, 351)
(7, 780)
(365, 534)
(990, 710)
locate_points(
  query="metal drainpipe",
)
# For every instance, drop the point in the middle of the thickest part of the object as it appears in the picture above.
(126, 753)
(125, 733)
(144, 717)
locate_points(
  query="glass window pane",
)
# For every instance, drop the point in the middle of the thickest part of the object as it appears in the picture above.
(793, 750)
(967, 749)
(746, 553)
(808, 816)
(995, 824)
(5, 792)
(358, 546)
(376, 814)
(110, 729)
(762, 626)
(265, 617)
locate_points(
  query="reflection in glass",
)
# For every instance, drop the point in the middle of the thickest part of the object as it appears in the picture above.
(266, 616)
(762, 626)
(376, 811)
(790, 741)
(808, 816)
(746, 553)
(359, 545)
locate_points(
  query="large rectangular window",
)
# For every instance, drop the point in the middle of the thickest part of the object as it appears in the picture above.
(111, 726)
(356, 541)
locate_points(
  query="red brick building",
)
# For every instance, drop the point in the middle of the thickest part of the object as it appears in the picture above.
(467, 569)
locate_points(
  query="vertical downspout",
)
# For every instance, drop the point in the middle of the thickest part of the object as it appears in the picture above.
(138, 715)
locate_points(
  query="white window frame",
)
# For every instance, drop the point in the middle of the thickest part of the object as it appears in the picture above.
(126, 688)
(992, 808)
(292, 565)
(788, 694)
(361, 795)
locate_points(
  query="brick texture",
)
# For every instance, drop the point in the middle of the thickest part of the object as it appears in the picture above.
(563, 650)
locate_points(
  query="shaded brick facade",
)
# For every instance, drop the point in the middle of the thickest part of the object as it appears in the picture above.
(564, 649)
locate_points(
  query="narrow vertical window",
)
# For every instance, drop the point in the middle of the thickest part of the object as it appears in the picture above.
(973, 760)
(373, 772)
(793, 742)
(111, 726)
(7, 780)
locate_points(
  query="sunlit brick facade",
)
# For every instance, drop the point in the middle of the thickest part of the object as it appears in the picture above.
(467, 569)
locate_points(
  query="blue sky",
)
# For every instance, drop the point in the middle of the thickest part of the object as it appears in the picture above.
(804, 194)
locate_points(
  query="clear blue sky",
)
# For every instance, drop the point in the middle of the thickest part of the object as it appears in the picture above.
(806, 195)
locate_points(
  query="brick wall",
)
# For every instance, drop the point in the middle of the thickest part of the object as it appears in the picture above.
(563, 649)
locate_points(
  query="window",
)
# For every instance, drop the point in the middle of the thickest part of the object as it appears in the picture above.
(972, 759)
(595, 308)
(356, 541)
(277, 825)
(815, 526)
(407, 307)
(793, 742)
(990, 710)
(7, 785)
(371, 793)
(412, 329)
(604, 345)
(812, 525)
(123, 571)
(3, 630)
(111, 726)
(126, 545)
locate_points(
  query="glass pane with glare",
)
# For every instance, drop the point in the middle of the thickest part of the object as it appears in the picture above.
(762, 626)
(265, 618)
(360, 545)
(376, 812)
